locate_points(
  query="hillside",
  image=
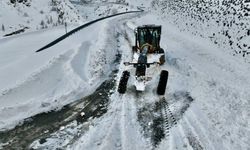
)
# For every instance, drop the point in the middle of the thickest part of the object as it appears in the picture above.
(32, 15)
(225, 23)
(67, 96)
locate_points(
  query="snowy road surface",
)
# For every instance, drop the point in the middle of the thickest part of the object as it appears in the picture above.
(206, 105)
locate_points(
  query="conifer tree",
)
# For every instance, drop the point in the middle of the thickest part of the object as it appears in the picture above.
(3, 28)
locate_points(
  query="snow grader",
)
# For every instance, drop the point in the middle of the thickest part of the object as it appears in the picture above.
(148, 57)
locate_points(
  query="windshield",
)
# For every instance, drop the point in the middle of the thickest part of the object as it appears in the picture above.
(149, 36)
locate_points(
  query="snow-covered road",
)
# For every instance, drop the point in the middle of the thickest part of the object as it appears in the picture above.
(207, 96)
(206, 105)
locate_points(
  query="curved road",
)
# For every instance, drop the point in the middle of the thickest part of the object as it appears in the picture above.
(82, 27)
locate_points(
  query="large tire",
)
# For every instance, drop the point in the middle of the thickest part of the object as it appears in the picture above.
(134, 49)
(162, 58)
(122, 87)
(161, 51)
(162, 82)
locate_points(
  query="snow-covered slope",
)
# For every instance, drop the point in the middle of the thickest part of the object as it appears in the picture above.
(99, 8)
(206, 104)
(36, 82)
(224, 22)
(36, 14)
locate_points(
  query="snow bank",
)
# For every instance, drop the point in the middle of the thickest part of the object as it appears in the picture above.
(36, 82)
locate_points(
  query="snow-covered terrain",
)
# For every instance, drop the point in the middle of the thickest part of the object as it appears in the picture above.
(32, 15)
(226, 23)
(207, 101)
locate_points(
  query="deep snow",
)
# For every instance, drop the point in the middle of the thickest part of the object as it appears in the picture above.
(207, 94)
(216, 119)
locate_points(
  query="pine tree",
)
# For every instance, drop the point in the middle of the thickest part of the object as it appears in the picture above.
(3, 29)
(13, 1)
(42, 24)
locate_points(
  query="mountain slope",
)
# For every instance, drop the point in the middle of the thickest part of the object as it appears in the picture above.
(35, 15)
(206, 105)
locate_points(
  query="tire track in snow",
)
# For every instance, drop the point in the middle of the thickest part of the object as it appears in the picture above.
(180, 102)
(169, 113)
(192, 121)
(124, 132)
(185, 135)
(131, 126)
(158, 118)
(120, 125)
(183, 138)
(113, 133)
(192, 136)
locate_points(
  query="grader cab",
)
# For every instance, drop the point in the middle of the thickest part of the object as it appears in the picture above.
(148, 35)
